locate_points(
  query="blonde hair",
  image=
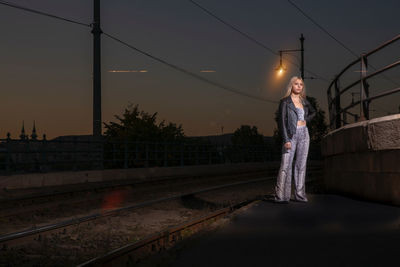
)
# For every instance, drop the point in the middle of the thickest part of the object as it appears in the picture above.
(290, 85)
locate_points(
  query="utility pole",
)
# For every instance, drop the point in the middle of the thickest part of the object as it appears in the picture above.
(96, 31)
(281, 68)
(302, 56)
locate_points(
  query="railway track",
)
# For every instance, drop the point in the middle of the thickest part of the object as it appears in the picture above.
(32, 215)
(10, 240)
(14, 206)
(129, 254)
(44, 208)
(132, 253)
(35, 234)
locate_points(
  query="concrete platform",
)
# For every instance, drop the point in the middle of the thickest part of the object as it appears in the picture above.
(330, 230)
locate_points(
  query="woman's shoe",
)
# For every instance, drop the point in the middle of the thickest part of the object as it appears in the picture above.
(301, 201)
(281, 201)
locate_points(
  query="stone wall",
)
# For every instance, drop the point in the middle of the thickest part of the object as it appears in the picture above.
(363, 160)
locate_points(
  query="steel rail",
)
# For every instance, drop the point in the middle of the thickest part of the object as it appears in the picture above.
(70, 189)
(71, 222)
(12, 211)
(162, 240)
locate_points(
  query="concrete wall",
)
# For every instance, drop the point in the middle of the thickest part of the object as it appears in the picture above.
(363, 160)
(38, 180)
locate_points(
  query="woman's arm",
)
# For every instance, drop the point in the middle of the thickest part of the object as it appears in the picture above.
(281, 121)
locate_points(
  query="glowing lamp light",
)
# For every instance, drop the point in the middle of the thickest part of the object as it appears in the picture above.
(280, 70)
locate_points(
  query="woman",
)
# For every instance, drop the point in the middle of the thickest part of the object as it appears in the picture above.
(294, 114)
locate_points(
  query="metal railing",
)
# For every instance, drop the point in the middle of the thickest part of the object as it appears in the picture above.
(27, 156)
(337, 113)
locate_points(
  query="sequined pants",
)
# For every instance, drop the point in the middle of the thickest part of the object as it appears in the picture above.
(300, 144)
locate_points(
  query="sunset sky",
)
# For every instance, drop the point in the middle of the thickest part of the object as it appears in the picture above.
(46, 64)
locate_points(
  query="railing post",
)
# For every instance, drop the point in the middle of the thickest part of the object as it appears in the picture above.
(331, 109)
(338, 120)
(364, 90)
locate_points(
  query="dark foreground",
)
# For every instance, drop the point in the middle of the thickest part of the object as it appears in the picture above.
(328, 231)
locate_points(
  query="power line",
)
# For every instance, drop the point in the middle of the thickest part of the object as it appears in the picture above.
(248, 36)
(141, 51)
(42, 13)
(334, 38)
(322, 28)
(216, 84)
(233, 27)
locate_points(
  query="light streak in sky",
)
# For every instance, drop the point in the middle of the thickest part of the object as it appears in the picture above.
(207, 71)
(140, 71)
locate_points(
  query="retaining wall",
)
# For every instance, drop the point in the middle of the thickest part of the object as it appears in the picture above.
(363, 160)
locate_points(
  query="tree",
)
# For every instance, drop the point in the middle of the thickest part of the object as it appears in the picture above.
(248, 145)
(247, 135)
(318, 128)
(137, 125)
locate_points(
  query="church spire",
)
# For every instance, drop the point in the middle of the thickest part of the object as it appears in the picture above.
(34, 135)
(23, 135)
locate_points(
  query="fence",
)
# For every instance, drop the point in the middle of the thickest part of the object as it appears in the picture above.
(338, 113)
(21, 156)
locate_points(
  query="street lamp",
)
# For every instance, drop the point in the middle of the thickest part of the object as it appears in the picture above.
(281, 68)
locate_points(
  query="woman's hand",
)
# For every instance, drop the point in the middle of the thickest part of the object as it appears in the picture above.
(301, 123)
(288, 145)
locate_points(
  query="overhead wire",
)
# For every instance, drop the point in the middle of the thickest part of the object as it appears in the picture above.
(31, 10)
(254, 40)
(187, 72)
(322, 28)
(233, 27)
(335, 39)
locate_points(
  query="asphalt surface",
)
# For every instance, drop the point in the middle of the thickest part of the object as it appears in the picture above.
(329, 230)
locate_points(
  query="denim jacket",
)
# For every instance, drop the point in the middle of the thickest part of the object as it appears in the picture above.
(287, 119)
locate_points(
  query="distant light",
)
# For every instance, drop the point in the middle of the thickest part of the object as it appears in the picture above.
(280, 71)
(128, 71)
(207, 71)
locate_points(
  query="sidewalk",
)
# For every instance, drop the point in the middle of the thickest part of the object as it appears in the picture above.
(330, 230)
